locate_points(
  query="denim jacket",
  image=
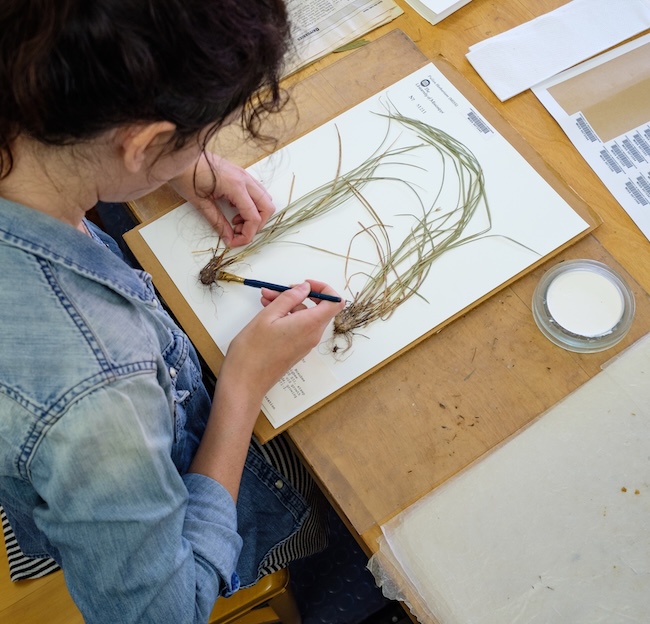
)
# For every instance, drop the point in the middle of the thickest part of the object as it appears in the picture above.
(102, 407)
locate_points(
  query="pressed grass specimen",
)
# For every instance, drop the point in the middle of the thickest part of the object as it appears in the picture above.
(401, 266)
(310, 206)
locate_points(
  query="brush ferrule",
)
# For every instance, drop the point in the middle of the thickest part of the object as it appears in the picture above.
(223, 276)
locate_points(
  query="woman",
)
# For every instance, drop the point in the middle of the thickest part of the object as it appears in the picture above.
(113, 460)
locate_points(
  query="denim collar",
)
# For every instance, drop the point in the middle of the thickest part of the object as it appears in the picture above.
(59, 243)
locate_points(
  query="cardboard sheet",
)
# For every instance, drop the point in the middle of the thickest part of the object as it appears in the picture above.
(435, 87)
(528, 221)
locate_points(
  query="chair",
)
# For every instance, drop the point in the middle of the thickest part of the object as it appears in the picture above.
(269, 600)
(47, 600)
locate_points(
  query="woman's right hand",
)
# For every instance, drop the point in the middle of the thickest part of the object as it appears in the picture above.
(278, 337)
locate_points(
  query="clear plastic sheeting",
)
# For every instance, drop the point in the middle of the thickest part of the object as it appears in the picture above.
(550, 527)
(388, 576)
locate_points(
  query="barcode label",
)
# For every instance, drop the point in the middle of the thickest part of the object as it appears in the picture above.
(586, 130)
(633, 151)
(621, 156)
(478, 123)
(641, 143)
(636, 194)
(644, 184)
(609, 161)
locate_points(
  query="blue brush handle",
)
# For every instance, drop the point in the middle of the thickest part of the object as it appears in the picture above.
(278, 288)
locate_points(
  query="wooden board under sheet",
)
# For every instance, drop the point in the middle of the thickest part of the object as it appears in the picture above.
(318, 99)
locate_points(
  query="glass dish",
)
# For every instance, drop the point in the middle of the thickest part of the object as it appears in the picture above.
(583, 306)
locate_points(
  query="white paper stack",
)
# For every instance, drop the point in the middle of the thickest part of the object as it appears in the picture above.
(524, 56)
(436, 10)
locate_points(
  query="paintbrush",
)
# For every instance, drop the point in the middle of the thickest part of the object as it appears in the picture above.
(229, 277)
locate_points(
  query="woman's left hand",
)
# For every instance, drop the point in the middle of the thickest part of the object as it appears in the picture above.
(218, 179)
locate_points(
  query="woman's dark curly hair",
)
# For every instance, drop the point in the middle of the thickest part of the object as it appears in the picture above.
(72, 69)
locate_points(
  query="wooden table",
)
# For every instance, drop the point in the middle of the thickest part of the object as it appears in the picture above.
(401, 432)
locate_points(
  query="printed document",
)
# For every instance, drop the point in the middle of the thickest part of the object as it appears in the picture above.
(321, 26)
(603, 105)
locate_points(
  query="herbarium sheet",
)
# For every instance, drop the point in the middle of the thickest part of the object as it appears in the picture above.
(411, 205)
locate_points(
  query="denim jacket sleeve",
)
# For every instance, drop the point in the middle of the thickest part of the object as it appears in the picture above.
(117, 500)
